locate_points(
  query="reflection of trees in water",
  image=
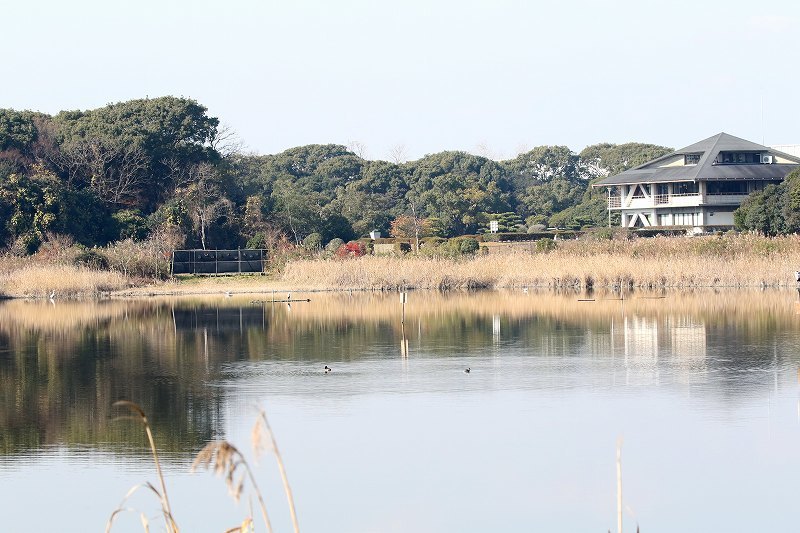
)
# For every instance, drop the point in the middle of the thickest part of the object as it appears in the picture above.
(61, 367)
(57, 384)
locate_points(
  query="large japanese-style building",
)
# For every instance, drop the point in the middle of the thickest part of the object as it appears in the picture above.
(697, 187)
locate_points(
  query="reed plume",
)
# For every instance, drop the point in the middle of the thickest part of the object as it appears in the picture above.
(227, 461)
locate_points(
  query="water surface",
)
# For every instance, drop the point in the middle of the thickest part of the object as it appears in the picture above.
(701, 387)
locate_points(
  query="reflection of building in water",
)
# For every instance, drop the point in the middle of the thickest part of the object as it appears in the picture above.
(641, 337)
(688, 338)
(651, 346)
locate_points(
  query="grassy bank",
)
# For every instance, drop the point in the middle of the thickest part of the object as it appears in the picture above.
(675, 262)
(681, 262)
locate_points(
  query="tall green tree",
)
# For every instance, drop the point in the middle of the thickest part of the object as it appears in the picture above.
(547, 180)
(609, 159)
(373, 200)
(37, 204)
(169, 132)
(774, 210)
(597, 162)
(458, 188)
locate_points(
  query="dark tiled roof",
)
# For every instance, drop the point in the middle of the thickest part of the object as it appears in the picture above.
(650, 175)
(748, 172)
(705, 169)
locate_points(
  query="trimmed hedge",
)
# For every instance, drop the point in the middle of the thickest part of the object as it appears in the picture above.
(432, 241)
(651, 232)
(518, 237)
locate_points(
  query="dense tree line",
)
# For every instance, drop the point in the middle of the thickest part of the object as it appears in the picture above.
(774, 210)
(129, 169)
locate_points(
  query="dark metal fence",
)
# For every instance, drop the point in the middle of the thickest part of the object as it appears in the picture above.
(217, 261)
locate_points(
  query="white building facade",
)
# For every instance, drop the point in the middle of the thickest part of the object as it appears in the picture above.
(697, 187)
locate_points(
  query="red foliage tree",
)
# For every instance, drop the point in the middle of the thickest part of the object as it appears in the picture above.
(351, 249)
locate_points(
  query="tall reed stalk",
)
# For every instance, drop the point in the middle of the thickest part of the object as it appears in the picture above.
(225, 460)
(257, 439)
(140, 416)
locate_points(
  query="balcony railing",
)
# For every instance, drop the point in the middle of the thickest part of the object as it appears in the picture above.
(682, 194)
(678, 199)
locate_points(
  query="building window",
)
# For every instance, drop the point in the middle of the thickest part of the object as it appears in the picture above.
(686, 219)
(663, 219)
(691, 159)
(726, 187)
(686, 187)
(738, 158)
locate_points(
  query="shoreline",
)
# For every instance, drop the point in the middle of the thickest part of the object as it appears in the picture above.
(212, 287)
(714, 262)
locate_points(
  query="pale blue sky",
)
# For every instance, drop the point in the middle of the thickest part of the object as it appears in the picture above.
(482, 76)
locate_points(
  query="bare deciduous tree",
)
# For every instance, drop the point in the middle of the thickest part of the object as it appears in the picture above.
(204, 198)
(358, 148)
(484, 150)
(114, 170)
(398, 154)
(227, 142)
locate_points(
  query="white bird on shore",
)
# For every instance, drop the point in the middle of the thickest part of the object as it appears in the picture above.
(53, 295)
(228, 294)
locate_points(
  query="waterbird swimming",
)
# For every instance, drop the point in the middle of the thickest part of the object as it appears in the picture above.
(466, 370)
(328, 369)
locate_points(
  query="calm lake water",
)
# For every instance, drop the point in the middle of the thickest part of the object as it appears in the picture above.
(702, 388)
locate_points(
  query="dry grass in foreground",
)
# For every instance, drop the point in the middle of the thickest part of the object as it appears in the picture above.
(680, 262)
(21, 280)
(225, 460)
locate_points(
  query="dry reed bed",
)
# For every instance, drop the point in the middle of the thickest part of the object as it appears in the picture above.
(38, 281)
(681, 262)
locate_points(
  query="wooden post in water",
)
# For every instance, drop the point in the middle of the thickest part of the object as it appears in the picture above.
(403, 342)
(403, 298)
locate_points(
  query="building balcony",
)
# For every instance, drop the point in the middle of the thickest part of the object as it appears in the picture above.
(675, 200)
(724, 199)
